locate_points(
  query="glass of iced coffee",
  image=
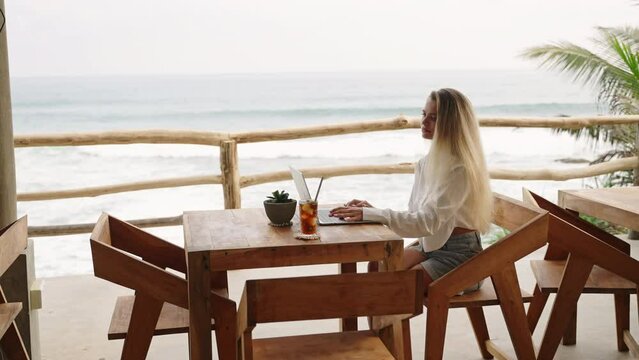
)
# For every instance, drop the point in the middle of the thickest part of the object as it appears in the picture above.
(308, 217)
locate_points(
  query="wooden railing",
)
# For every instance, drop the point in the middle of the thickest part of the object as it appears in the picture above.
(232, 181)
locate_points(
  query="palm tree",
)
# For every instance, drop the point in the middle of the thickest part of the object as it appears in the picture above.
(613, 69)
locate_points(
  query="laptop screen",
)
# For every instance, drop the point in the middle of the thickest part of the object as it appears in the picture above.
(300, 184)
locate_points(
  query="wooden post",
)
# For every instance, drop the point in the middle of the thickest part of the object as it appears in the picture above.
(8, 206)
(14, 281)
(230, 175)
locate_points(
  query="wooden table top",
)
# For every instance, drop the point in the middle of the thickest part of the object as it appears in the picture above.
(245, 229)
(617, 205)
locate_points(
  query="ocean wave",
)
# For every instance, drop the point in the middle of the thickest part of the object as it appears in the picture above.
(153, 110)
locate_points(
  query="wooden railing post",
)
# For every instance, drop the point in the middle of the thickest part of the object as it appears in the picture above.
(230, 174)
(14, 281)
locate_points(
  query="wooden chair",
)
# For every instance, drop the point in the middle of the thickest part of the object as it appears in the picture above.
(528, 228)
(13, 242)
(549, 272)
(326, 297)
(130, 257)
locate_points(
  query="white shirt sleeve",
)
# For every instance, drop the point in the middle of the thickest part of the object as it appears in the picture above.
(435, 214)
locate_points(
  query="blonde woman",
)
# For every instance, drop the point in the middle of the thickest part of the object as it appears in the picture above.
(451, 200)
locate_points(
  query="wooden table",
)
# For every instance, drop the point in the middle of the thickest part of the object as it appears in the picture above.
(617, 205)
(242, 239)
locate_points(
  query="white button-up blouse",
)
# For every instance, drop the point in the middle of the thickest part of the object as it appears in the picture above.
(432, 213)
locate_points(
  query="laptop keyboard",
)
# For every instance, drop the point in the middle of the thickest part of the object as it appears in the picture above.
(325, 219)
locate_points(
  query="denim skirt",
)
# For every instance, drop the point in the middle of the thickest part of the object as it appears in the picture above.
(455, 251)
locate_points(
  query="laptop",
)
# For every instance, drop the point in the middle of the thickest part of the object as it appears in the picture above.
(322, 214)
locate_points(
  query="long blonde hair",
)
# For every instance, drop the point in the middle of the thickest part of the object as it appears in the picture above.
(457, 138)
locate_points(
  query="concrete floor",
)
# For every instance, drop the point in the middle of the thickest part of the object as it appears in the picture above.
(77, 309)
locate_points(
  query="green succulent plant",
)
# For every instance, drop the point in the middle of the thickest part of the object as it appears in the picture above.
(279, 197)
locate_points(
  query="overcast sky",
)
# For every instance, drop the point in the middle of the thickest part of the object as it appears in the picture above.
(91, 37)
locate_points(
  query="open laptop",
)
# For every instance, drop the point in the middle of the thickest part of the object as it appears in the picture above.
(322, 214)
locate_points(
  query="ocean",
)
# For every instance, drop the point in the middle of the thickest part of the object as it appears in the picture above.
(243, 102)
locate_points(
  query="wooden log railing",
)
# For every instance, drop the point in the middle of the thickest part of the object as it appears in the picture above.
(216, 138)
(232, 181)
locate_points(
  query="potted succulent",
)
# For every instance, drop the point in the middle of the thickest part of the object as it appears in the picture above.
(280, 208)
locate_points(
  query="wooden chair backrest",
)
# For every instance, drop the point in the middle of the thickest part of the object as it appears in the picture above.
(13, 242)
(130, 257)
(528, 226)
(136, 241)
(574, 236)
(574, 220)
(511, 214)
(333, 296)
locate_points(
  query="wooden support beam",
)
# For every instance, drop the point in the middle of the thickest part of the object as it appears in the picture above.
(14, 280)
(8, 207)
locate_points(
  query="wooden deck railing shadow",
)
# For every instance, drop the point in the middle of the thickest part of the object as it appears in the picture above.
(232, 181)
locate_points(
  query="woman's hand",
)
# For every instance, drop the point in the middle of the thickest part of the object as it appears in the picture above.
(348, 213)
(358, 203)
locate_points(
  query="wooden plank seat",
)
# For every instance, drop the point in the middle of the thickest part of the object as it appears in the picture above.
(485, 296)
(548, 274)
(172, 319)
(352, 345)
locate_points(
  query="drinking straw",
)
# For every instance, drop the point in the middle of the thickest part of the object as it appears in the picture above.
(319, 187)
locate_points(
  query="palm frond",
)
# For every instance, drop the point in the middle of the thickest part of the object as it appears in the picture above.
(626, 34)
(586, 66)
(596, 134)
(613, 69)
(627, 60)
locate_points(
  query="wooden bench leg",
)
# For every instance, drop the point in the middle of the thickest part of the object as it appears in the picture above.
(478, 320)
(436, 319)
(570, 335)
(622, 317)
(535, 308)
(572, 283)
(512, 306)
(144, 317)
